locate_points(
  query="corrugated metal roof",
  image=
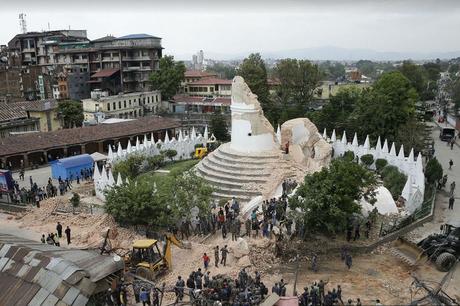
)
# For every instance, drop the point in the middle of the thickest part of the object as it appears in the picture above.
(40, 274)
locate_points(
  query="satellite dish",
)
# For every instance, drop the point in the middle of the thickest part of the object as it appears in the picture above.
(116, 258)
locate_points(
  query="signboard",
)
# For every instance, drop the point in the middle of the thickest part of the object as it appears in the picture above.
(6, 181)
(41, 86)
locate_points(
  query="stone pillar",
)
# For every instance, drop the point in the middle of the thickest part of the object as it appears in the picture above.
(3, 165)
(83, 149)
(45, 157)
(65, 151)
(25, 158)
(100, 147)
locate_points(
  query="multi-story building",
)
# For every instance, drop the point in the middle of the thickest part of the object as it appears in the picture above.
(73, 84)
(210, 87)
(131, 105)
(121, 64)
(29, 116)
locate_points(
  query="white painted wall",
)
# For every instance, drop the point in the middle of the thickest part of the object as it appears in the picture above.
(242, 142)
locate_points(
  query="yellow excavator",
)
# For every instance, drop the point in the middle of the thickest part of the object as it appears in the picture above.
(148, 260)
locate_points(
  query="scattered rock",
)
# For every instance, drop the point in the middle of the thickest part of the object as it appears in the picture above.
(244, 262)
(240, 249)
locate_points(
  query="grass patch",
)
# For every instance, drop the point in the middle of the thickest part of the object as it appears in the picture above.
(173, 167)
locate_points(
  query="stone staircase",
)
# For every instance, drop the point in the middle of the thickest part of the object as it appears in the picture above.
(239, 175)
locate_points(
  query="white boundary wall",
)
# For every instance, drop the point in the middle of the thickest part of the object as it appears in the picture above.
(414, 188)
(185, 147)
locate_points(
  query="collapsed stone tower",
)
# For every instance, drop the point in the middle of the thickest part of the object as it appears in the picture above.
(253, 164)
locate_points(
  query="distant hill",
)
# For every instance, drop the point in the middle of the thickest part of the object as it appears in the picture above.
(335, 53)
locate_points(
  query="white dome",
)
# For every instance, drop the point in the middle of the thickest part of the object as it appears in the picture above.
(384, 203)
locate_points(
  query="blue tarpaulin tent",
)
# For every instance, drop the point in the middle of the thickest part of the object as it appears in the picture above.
(71, 167)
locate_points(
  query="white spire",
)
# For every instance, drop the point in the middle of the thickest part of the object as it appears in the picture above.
(119, 180)
(401, 153)
(355, 140)
(96, 174)
(366, 143)
(378, 146)
(206, 133)
(393, 150)
(344, 138)
(180, 138)
(145, 141)
(193, 136)
(407, 190)
(119, 150)
(152, 139)
(128, 148)
(104, 175)
(111, 180)
(419, 162)
(385, 147)
(278, 134)
(411, 155)
(138, 144)
(333, 137)
(324, 134)
(110, 154)
(166, 137)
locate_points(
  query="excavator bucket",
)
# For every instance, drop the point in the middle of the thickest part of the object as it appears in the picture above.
(407, 251)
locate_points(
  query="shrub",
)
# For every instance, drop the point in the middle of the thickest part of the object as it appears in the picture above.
(75, 200)
(433, 171)
(155, 162)
(380, 163)
(170, 153)
(367, 159)
(393, 180)
(349, 156)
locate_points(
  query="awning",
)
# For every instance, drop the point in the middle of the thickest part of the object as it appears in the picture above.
(96, 156)
(104, 73)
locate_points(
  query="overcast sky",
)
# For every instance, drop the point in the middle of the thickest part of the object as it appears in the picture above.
(238, 26)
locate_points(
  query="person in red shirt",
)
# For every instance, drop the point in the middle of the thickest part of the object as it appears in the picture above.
(206, 261)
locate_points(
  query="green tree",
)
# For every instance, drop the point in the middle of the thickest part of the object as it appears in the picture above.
(455, 93)
(224, 71)
(413, 134)
(170, 154)
(254, 72)
(71, 113)
(329, 197)
(130, 167)
(298, 82)
(393, 180)
(219, 127)
(380, 164)
(336, 113)
(367, 160)
(169, 77)
(332, 71)
(384, 108)
(416, 74)
(159, 203)
(433, 171)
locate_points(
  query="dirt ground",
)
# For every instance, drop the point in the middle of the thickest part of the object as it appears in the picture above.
(378, 275)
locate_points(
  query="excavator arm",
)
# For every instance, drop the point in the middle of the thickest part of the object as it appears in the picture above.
(172, 239)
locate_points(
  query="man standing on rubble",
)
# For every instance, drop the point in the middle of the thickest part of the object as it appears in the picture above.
(247, 225)
(216, 256)
(67, 233)
(179, 290)
(348, 261)
(224, 252)
(59, 229)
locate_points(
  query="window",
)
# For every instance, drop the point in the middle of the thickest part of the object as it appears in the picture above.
(108, 107)
(156, 98)
(124, 103)
(134, 100)
(114, 106)
(129, 102)
(148, 99)
(119, 104)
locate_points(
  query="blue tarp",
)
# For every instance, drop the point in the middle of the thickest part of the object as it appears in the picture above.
(70, 167)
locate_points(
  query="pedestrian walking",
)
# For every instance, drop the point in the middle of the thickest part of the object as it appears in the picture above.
(59, 229)
(179, 289)
(314, 263)
(348, 261)
(144, 297)
(452, 188)
(207, 280)
(451, 202)
(452, 144)
(216, 256)
(357, 234)
(205, 261)
(37, 200)
(224, 252)
(67, 234)
(451, 163)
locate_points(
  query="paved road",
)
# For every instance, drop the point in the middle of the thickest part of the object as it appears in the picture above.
(40, 176)
(444, 154)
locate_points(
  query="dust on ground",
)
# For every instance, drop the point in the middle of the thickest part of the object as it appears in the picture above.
(377, 275)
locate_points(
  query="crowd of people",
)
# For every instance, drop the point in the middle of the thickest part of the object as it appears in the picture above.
(35, 194)
(316, 295)
(55, 238)
(221, 289)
